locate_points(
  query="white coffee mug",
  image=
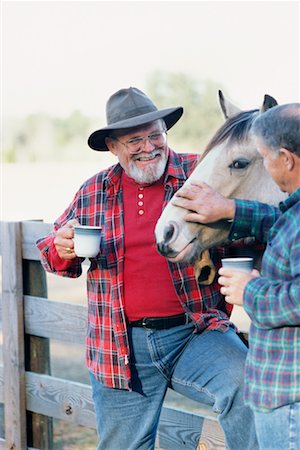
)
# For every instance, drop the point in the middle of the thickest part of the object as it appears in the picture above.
(86, 241)
(241, 264)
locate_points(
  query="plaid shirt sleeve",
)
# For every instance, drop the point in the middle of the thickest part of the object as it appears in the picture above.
(253, 219)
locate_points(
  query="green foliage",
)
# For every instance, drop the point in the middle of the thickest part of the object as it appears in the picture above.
(202, 115)
(40, 137)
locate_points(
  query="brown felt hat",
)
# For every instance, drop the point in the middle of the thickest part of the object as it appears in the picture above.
(129, 108)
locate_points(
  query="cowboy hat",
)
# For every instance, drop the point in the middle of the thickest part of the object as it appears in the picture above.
(129, 108)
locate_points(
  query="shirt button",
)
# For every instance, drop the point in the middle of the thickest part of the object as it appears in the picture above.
(141, 188)
(141, 212)
(140, 203)
(141, 196)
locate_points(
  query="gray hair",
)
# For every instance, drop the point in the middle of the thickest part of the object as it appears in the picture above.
(279, 127)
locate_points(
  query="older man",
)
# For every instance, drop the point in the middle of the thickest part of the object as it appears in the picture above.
(150, 325)
(272, 299)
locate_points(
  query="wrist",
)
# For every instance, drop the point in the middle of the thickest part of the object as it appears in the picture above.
(230, 208)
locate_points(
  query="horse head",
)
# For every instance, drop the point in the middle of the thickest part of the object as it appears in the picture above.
(231, 165)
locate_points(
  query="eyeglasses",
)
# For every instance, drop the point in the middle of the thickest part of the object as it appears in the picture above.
(136, 144)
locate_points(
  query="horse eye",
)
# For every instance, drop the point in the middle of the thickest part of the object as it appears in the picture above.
(239, 164)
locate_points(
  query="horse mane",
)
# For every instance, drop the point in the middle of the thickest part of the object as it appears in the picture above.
(235, 128)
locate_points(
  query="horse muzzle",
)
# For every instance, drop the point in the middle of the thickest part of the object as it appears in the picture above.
(165, 250)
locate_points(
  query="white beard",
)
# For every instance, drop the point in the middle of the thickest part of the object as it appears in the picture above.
(151, 172)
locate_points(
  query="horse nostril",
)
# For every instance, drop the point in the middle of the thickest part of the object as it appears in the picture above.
(165, 250)
(168, 233)
(161, 248)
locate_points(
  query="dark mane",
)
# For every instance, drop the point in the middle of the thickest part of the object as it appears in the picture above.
(235, 128)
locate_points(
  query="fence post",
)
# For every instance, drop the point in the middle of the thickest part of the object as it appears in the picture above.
(13, 337)
(37, 357)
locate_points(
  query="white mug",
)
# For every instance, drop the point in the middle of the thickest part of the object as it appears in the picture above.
(241, 264)
(86, 241)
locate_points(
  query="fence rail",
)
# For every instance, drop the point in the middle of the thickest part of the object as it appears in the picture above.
(32, 397)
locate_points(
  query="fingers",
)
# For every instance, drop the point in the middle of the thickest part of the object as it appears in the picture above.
(226, 272)
(194, 188)
(195, 218)
(64, 248)
(63, 240)
(225, 281)
(67, 253)
(255, 273)
(71, 223)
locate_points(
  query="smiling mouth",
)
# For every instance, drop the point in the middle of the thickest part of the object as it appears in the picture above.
(147, 157)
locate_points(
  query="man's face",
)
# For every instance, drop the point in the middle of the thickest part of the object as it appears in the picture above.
(273, 163)
(143, 160)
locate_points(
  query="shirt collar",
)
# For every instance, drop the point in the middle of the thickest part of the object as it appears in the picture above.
(175, 167)
(290, 201)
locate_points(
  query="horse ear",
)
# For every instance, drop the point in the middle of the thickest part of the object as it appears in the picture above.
(268, 103)
(228, 108)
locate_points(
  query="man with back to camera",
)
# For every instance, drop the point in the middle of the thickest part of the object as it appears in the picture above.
(150, 324)
(272, 298)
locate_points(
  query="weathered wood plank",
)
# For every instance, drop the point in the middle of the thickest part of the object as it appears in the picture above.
(180, 429)
(13, 337)
(31, 232)
(1, 385)
(72, 402)
(4, 447)
(37, 357)
(60, 398)
(56, 320)
(212, 437)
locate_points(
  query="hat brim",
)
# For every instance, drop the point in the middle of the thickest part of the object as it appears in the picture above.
(170, 115)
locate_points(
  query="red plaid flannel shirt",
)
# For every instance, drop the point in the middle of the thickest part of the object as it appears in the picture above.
(99, 202)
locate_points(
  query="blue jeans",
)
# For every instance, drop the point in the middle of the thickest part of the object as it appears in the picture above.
(280, 428)
(206, 367)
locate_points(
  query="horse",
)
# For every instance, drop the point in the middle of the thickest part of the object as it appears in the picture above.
(232, 166)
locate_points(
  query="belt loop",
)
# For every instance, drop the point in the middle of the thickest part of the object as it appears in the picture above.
(187, 319)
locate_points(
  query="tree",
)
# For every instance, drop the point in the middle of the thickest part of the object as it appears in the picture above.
(202, 115)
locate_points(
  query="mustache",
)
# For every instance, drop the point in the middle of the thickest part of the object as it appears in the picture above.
(150, 155)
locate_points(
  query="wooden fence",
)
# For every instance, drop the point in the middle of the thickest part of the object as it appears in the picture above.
(31, 396)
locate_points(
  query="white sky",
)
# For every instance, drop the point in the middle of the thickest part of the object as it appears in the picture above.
(65, 55)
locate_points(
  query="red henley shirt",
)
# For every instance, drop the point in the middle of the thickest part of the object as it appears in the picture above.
(143, 263)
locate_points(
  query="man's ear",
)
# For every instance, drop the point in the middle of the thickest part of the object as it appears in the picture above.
(288, 158)
(110, 144)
